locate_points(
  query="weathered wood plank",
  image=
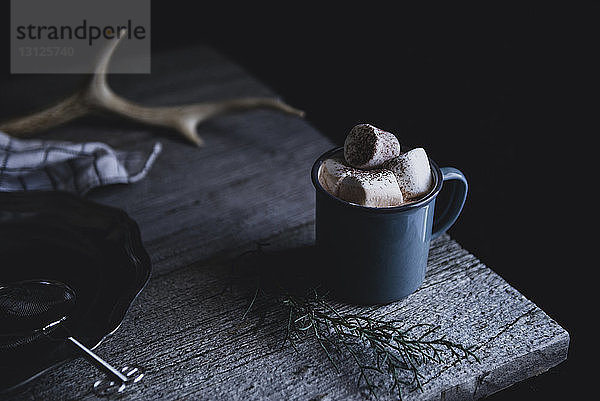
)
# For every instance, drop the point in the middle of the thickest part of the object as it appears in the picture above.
(198, 207)
(251, 180)
(191, 341)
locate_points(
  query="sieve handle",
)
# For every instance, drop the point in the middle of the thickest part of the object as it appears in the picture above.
(99, 362)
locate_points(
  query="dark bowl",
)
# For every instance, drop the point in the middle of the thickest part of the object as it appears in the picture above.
(94, 249)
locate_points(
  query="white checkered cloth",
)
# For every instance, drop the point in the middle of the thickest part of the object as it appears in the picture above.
(28, 165)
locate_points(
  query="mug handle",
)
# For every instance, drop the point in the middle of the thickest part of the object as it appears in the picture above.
(457, 200)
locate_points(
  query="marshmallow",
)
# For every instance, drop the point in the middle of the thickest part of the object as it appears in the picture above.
(374, 188)
(332, 172)
(367, 147)
(412, 172)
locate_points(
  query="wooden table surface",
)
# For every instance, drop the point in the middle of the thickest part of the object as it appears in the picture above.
(200, 207)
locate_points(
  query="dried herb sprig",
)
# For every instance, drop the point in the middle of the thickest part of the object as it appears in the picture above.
(396, 351)
(376, 345)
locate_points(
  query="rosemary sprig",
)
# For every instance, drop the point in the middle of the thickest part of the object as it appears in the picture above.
(376, 345)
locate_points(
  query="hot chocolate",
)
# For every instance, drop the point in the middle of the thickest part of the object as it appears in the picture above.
(371, 171)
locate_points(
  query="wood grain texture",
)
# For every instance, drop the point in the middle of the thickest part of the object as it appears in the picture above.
(199, 207)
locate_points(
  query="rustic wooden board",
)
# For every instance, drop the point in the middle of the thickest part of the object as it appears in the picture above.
(199, 207)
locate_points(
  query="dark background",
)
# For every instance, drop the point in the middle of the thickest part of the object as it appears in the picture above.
(507, 94)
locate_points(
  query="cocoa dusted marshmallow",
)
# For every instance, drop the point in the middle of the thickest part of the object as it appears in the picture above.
(373, 188)
(412, 172)
(367, 147)
(332, 172)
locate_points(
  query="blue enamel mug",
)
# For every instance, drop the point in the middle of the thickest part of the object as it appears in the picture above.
(379, 255)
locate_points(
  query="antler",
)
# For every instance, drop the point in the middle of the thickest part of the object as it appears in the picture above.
(98, 96)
